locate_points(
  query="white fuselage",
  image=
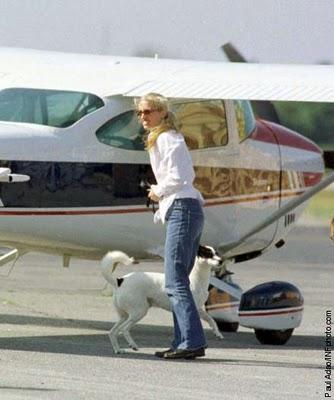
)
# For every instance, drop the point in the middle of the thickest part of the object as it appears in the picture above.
(84, 195)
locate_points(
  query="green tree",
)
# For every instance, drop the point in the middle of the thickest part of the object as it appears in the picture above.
(313, 120)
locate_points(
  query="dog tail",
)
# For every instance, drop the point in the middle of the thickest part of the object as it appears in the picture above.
(109, 263)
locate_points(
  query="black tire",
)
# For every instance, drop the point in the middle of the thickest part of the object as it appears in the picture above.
(227, 326)
(277, 338)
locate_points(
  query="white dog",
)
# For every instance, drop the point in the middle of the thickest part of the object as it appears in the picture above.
(136, 292)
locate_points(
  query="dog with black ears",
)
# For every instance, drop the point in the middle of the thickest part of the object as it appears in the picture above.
(136, 292)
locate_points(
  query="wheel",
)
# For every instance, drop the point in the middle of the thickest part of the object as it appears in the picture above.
(273, 337)
(228, 326)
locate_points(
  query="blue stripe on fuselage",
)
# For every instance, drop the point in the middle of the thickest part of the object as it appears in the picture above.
(68, 184)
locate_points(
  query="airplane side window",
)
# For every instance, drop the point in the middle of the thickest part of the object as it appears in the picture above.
(123, 131)
(64, 109)
(11, 106)
(245, 118)
(203, 123)
(55, 108)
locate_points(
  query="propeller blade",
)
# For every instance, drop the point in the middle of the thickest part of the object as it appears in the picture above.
(262, 109)
(266, 110)
(232, 53)
(329, 159)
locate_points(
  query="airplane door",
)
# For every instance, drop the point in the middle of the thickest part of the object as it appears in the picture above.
(206, 126)
(237, 165)
(256, 177)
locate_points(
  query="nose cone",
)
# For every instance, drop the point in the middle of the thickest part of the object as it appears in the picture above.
(298, 153)
(274, 133)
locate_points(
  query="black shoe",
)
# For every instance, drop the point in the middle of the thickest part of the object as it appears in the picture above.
(184, 353)
(161, 354)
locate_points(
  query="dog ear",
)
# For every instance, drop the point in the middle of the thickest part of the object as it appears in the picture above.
(205, 252)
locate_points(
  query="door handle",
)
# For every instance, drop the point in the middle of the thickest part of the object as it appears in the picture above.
(6, 176)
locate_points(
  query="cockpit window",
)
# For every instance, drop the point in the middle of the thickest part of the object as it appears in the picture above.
(46, 107)
(203, 124)
(123, 131)
(245, 118)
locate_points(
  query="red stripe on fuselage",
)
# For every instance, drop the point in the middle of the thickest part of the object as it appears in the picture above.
(265, 313)
(81, 212)
(312, 178)
(141, 210)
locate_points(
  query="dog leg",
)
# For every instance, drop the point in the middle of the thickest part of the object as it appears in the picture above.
(133, 318)
(114, 332)
(207, 318)
(132, 344)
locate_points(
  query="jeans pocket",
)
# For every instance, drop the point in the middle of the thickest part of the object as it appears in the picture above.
(169, 211)
(197, 213)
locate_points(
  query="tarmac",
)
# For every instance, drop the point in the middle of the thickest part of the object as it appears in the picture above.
(54, 343)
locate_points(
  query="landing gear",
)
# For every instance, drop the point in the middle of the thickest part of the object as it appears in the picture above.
(272, 309)
(223, 302)
(265, 336)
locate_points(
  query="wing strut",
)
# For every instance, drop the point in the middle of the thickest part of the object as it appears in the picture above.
(9, 256)
(227, 249)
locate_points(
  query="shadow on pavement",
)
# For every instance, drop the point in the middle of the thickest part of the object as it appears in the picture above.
(146, 336)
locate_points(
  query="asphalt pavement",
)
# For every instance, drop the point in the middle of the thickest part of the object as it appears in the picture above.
(54, 343)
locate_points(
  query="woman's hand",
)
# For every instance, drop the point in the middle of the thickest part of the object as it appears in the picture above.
(152, 196)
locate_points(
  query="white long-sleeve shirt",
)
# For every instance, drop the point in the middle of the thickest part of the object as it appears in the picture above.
(173, 170)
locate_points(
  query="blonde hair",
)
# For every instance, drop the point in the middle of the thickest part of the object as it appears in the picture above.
(159, 103)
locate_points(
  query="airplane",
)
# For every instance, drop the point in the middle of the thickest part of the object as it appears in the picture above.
(73, 168)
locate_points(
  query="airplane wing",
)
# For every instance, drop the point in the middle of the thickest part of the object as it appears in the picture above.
(246, 81)
(130, 76)
(263, 109)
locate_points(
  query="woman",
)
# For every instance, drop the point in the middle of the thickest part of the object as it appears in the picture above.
(180, 205)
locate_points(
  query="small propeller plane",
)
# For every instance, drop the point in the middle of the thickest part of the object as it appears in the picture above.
(73, 168)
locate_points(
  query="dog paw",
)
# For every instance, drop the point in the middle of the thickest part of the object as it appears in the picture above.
(120, 351)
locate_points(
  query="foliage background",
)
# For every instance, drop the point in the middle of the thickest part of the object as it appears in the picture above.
(313, 120)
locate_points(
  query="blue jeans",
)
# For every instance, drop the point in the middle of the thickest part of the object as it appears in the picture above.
(184, 228)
